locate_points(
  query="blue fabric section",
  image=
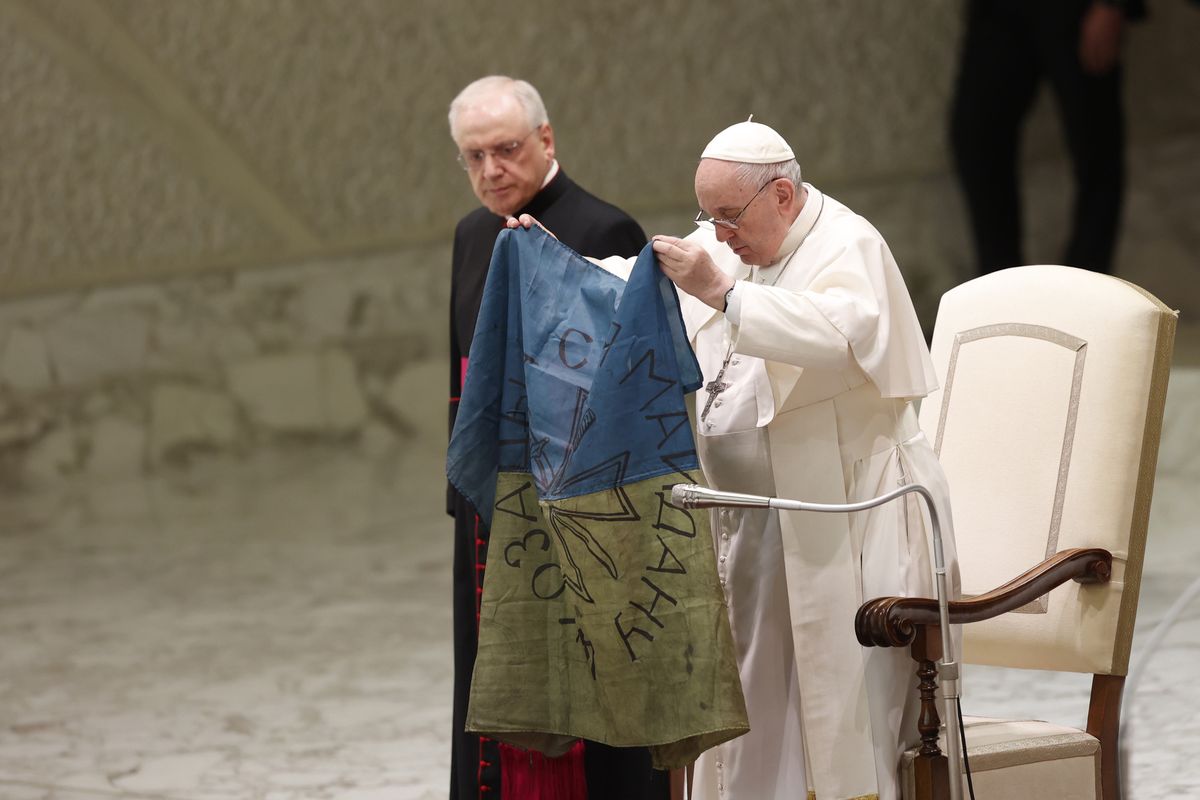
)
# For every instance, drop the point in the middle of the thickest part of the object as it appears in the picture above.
(574, 376)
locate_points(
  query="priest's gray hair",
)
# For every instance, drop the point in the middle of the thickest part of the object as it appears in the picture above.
(755, 175)
(523, 91)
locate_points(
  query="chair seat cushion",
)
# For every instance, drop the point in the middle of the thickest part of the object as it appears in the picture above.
(1023, 760)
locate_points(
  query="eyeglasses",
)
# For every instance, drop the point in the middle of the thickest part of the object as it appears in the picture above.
(728, 224)
(472, 160)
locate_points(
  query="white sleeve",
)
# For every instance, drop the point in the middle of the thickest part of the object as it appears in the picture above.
(829, 324)
(793, 326)
(617, 265)
(855, 311)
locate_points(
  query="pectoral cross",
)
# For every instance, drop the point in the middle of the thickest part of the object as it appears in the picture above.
(714, 388)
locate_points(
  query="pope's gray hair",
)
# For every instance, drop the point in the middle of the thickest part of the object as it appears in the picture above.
(527, 96)
(755, 175)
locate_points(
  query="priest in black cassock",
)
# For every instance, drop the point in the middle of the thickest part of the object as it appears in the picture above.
(506, 145)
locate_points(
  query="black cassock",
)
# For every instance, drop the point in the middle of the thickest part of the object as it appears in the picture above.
(594, 228)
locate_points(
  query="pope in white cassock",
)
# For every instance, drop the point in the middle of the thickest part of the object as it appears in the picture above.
(812, 354)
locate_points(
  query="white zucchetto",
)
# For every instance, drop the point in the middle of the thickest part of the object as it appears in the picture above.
(749, 143)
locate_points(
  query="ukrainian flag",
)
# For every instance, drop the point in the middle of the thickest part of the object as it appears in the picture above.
(602, 617)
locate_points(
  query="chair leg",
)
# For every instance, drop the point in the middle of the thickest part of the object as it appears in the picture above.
(1104, 722)
(931, 778)
(931, 768)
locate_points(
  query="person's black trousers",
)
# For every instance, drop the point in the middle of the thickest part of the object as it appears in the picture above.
(1010, 47)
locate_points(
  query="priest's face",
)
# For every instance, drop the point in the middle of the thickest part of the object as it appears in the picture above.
(506, 158)
(763, 216)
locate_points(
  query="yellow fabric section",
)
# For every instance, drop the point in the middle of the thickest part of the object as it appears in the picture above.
(603, 619)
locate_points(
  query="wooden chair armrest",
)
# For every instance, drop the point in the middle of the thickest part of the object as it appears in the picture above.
(892, 621)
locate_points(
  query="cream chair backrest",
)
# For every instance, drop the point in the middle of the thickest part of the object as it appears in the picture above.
(1047, 424)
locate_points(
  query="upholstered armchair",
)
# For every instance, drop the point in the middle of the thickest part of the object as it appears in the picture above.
(1047, 424)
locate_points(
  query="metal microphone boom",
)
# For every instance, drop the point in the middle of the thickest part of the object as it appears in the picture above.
(692, 496)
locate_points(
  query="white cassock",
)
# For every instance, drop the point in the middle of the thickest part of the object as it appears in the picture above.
(822, 353)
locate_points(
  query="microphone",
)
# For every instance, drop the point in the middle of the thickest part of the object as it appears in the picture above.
(692, 496)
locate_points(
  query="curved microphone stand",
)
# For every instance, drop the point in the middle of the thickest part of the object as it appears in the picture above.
(692, 496)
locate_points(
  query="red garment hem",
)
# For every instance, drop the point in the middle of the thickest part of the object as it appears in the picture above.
(529, 775)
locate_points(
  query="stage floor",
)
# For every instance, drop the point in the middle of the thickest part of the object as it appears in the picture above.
(279, 629)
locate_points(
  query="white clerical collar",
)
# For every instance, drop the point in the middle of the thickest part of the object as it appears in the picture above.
(550, 175)
(802, 225)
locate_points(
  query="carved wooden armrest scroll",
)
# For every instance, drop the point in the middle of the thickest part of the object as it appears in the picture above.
(892, 621)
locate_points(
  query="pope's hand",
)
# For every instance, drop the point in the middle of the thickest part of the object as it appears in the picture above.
(526, 221)
(690, 268)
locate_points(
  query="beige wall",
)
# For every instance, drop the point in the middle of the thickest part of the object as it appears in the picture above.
(143, 138)
(188, 187)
